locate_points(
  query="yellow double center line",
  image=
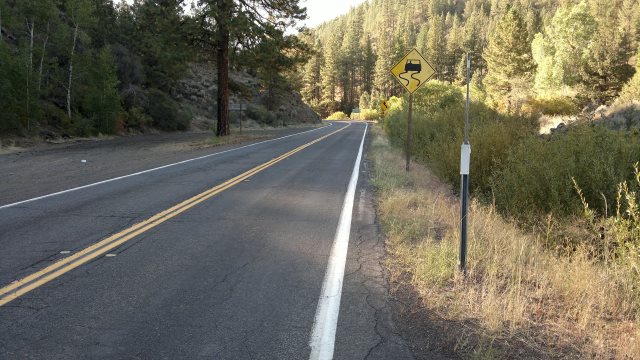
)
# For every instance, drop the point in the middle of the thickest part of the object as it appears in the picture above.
(41, 277)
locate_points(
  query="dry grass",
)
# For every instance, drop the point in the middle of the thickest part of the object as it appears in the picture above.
(516, 294)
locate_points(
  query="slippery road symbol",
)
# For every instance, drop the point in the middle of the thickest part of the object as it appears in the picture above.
(412, 71)
(412, 65)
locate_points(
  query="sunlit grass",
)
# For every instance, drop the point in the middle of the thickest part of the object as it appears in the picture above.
(517, 293)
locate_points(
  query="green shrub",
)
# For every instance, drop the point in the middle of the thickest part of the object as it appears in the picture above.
(616, 235)
(369, 114)
(271, 119)
(438, 123)
(338, 115)
(54, 116)
(631, 91)
(185, 114)
(262, 115)
(164, 112)
(559, 105)
(82, 126)
(436, 96)
(136, 119)
(536, 178)
(239, 88)
(255, 113)
(528, 176)
(394, 102)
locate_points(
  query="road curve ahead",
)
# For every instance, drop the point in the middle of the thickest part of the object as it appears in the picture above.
(223, 257)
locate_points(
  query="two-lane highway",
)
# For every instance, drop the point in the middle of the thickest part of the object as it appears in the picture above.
(227, 256)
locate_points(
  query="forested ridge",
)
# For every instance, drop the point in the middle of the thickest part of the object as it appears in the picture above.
(91, 66)
(574, 52)
(84, 67)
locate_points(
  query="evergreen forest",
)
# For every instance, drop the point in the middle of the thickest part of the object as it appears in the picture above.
(88, 67)
(553, 56)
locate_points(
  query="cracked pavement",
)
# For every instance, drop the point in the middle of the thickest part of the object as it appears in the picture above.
(236, 277)
(365, 289)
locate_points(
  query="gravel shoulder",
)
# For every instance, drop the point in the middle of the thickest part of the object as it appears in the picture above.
(48, 168)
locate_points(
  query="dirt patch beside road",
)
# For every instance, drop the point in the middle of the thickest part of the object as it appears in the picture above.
(48, 168)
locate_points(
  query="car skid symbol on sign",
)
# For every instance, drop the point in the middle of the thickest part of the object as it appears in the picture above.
(412, 71)
(414, 66)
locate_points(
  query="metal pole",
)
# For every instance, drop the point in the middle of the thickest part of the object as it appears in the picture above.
(466, 123)
(409, 130)
(465, 157)
(241, 113)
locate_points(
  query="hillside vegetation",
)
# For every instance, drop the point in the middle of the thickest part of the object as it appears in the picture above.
(87, 67)
(533, 56)
(519, 299)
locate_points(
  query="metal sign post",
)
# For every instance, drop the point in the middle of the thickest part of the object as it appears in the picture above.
(409, 133)
(465, 161)
(412, 72)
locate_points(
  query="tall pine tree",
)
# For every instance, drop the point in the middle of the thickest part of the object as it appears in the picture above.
(247, 21)
(509, 62)
(435, 49)
(311, 80)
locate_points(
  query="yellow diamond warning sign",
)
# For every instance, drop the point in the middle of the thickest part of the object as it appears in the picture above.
(384, 105)
(412, 71)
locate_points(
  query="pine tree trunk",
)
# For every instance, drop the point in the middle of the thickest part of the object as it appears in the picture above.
(271, 85)
(73, 50)
(222, 62)
(30, 27)
(44, 50)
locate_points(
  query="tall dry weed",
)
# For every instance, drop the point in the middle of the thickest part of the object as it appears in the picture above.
(516, 293)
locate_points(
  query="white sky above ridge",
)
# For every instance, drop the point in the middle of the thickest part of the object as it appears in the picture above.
(318, 11)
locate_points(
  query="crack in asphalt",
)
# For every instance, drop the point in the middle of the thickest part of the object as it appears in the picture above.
(232, 286)
(368, 271)
(376, 316)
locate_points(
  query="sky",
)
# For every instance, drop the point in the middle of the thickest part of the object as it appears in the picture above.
(319, 11)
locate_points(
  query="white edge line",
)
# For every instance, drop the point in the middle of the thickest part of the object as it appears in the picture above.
(324, 325)
(154, 169)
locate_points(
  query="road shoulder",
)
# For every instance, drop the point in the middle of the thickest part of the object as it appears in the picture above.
(366, 326)
(405, 329)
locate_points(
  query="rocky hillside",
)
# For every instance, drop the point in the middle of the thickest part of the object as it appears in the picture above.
(621, 117)
(197, 93)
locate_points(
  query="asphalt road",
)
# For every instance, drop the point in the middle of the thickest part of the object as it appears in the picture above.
(235, 271)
